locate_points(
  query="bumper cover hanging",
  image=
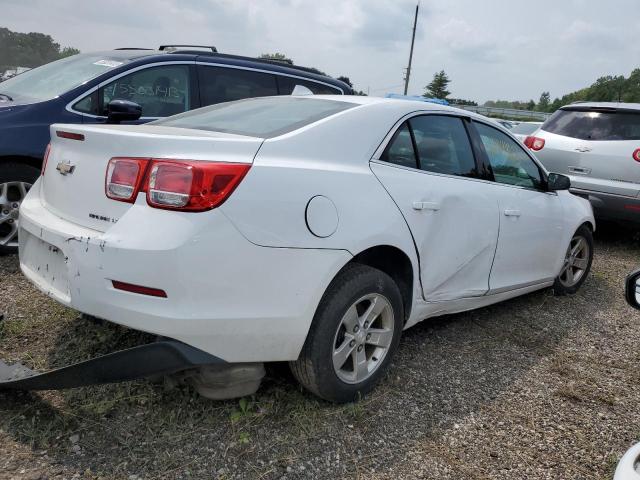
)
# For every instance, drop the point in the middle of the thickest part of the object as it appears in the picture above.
(160, 358)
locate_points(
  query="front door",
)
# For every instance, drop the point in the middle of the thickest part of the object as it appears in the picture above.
(530, 246)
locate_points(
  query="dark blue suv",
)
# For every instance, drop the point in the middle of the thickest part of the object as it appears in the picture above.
(125, 86)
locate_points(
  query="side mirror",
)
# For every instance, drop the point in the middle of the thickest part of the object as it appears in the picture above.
(556, 182)
(632, 289)
(123, 111)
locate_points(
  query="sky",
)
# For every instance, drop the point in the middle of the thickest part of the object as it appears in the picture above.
(490, 49)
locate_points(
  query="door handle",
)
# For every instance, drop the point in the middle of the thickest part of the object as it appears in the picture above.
(581, 170)
(426, 206)
(512, 212)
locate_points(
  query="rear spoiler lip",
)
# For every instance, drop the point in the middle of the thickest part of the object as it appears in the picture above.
(580, 108)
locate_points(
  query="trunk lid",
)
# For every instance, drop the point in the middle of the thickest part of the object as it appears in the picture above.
(73, 186)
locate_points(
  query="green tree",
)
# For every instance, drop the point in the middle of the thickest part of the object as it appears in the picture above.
(438, 86)
(29, 49)
(543, 103)
(531, 105)
(277, 56)
(345, 80)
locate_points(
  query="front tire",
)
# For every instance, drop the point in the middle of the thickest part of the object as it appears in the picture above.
(15, 181)
(577, 263)
(353, 336)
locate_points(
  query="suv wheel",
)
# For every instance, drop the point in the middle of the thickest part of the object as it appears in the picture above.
(15, 181)
(577, 262)
(353, 336)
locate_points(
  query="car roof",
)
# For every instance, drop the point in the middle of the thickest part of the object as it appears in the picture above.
(133, 54)
(605, 105)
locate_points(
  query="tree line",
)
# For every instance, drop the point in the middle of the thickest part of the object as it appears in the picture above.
(605, 89)
(29, 49)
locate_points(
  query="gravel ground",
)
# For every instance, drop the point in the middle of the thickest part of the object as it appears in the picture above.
(537, 387)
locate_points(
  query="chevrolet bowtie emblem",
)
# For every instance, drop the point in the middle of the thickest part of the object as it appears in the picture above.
(65, 168)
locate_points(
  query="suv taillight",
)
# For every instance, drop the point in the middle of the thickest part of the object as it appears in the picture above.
(534, 143)
(45, 159)
(124, 177)
(193, 186)
(636, 155)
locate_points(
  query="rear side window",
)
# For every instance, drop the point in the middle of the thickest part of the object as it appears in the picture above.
(258, 117)
(219, 84)
(594, 124)
(287, 84)
(400, 149)
(443, 145)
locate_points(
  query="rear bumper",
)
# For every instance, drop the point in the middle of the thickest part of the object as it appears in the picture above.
(226, 296)
(607, 206)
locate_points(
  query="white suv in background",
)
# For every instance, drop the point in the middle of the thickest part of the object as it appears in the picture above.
(598, 146)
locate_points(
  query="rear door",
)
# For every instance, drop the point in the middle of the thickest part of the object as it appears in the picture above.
(429, 170)
(595, 147)
(531, 219)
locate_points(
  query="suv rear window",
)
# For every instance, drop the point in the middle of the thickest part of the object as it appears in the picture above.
(258, 117)
(595, 124)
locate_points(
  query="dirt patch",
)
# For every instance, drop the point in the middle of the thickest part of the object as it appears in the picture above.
(537, 387)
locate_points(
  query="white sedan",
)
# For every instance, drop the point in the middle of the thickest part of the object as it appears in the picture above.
(304, 229)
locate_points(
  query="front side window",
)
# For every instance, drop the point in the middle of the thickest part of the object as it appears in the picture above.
(160, 91)
(443, 145)
(218, 85)
(510, 164)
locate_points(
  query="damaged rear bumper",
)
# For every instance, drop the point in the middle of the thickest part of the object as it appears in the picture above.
(154, 359)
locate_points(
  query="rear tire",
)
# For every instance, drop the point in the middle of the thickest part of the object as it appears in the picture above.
(15, 181)
(577, 263)
(353, 336)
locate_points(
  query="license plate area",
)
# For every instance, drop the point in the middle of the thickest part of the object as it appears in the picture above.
(45, 264)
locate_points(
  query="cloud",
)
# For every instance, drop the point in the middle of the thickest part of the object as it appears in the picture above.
(586, 35)
(468, 42)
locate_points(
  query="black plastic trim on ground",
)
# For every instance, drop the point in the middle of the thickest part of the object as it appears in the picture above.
(160, 358)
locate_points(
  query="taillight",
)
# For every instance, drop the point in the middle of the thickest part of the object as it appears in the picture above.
(193, 186)
(130, 287)
(636, 155)
(124, 177)
(534, 143)
(45, 159)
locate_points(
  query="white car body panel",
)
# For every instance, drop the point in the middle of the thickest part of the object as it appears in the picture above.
(244, 280)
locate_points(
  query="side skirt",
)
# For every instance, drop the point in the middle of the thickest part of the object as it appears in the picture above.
(424, 310)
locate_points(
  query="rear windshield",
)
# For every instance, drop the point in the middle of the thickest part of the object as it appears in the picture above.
(594, 124)
(264, 117)
(525, 128)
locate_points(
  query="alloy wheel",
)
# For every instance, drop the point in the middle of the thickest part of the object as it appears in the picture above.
(576, 262)
(11, 196)
(363, 338)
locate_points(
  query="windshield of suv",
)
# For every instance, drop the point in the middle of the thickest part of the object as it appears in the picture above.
(594, 124)
(264, 117)
(525, 128)
(55, 78)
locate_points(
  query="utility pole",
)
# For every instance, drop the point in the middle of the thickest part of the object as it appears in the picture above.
(413, 38)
